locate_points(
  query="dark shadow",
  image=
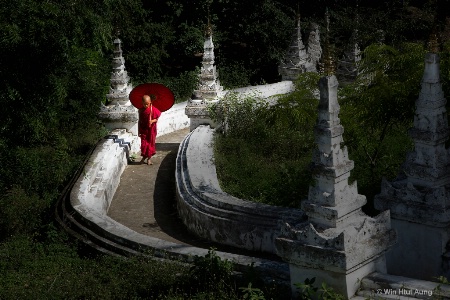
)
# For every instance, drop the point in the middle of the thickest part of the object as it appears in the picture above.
(165, 209)
(167, 147)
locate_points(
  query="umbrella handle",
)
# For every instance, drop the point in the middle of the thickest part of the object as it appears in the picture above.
(150, 116)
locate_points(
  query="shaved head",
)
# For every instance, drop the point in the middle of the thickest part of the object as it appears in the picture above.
(146, 99)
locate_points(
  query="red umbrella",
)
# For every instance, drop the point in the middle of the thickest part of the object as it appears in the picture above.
(164, 96)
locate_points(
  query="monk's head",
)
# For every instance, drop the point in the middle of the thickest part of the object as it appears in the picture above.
(146, 101)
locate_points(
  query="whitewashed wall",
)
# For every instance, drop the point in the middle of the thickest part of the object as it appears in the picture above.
(174, 119)
(266, 90)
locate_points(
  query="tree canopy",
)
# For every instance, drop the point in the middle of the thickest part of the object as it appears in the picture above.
(55, 66)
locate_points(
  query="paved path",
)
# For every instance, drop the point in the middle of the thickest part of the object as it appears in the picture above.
(145, 200)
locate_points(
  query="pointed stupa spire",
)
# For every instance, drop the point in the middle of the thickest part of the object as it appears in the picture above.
(347, 66)
(433, 43)
(296, 59)
(426, 172)
(419, 198)
(338, 238)
(209, 87)
(118, 113)
(429, 163)
(329, 67)
(332, 197)
(208, 30)
(119, 88)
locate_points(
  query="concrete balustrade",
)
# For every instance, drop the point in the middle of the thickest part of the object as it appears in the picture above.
(172, 120)
(211, 213)
(101, 176)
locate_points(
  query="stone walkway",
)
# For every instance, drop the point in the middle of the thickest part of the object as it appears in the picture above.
(145, 200)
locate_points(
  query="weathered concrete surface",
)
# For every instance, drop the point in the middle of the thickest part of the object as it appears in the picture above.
(215, 215)
(173, 119)
(338, 244)
(385, 286)
(101, 175)
(164, 237)
(419, 198)
(265, 91)
(145, 199)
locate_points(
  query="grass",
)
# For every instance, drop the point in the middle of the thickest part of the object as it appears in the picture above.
(246, 171)
(50, 267)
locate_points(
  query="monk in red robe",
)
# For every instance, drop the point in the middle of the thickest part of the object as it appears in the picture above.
(148, 116)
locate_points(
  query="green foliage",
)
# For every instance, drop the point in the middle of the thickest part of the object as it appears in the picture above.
(265, 151)
(234, 75)
(253, 37)
(182, 85)
(307, 291)
(266, 148)
(53, 77)
(252, 293)
(378, 108)
(51, 270)
(21, 212)
(211, 270)
(442, 279)
(437, 291)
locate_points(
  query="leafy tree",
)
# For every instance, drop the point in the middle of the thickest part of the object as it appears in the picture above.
(53, 77)
(378, 108)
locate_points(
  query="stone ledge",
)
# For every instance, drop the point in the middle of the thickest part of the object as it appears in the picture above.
(172, 120)
(101, 176)
(266, 90)
(215, 215)
(87, 208)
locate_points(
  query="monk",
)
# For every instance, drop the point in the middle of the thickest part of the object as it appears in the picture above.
(148, 116)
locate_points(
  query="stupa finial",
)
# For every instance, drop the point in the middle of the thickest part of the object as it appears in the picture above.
(208, 31)
(433, 43)
(328, 63)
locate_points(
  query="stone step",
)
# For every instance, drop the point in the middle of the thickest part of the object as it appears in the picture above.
(91, 238)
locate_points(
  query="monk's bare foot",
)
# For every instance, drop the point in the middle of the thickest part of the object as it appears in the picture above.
(142, 160)
(149, 162)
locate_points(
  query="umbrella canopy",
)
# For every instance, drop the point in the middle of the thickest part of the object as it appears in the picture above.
(164, 96)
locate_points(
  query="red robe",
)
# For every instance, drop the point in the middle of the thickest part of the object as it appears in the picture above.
(147, 132)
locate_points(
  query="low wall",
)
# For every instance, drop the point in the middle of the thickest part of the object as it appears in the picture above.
(215, 215)
(174, 119)
(101, 175)
(91, 196)
(266, 90)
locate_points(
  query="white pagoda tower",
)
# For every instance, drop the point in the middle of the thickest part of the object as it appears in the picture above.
(339, 244)
(419, 199)
(119, 113)
(209, 90)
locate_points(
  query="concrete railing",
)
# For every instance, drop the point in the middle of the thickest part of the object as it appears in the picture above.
(101, 176)
(174, 119)
(91, 196)
(266, 91)
(215, 215)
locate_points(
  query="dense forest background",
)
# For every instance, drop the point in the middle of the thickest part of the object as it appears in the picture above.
(55, 66)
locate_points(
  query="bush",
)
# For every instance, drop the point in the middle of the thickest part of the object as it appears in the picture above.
(52, 270)
(265, 151)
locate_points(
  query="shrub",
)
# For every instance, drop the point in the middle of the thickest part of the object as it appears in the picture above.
(265, 151)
